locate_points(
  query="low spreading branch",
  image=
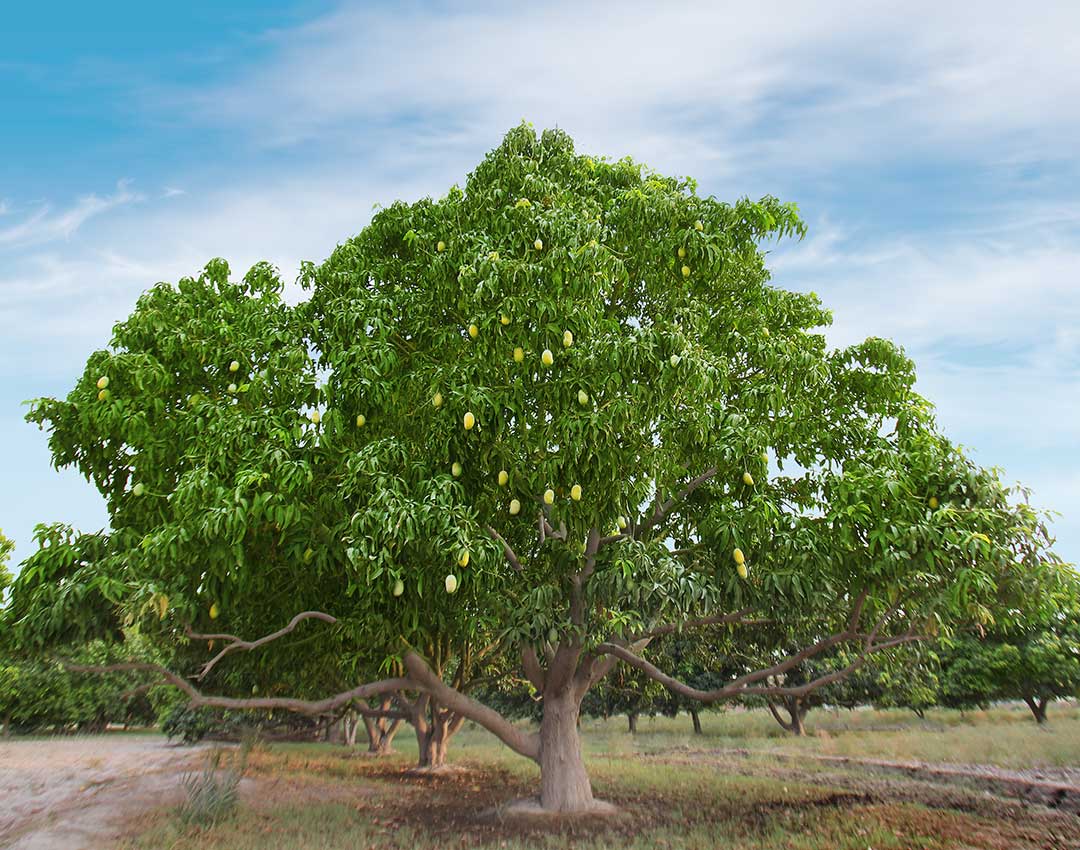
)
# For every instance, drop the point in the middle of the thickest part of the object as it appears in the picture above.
(300, 706)
(424, 678)
(235, 643)
(745, 685)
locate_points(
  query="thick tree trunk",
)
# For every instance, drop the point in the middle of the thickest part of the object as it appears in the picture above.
(696, 717)
(631, 722)
(564, 783)
(432, 748)
(381, 730)
(434, 727)
(796, 712)
(797, 717)
(381, 737)
(1038, 708)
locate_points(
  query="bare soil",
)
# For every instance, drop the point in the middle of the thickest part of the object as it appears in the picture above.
(1010, 809)
(1052, 788)
(78, 792)
(89, 792)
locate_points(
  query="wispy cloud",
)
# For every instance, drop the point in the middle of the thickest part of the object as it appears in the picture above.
(1014, 291)
(44, 224)
(931, 148)
(674, 82)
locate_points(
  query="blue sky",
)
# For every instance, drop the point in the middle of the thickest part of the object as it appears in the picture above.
(932, 148)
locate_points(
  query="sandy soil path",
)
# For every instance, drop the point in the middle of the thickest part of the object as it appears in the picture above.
(75, 793)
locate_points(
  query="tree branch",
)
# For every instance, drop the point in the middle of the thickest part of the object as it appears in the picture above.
(742, 687)
(717, 620)
(236, 643)
(664, 508)
(300, 706)
(422, 675)
(509, 552)
(533, 671)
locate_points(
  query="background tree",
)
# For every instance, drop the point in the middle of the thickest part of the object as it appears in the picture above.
(1037, 665)
(6, 548)
(39, 695)
(908, 678)
(544, 418)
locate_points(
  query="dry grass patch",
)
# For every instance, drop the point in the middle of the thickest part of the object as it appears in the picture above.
(316, 796)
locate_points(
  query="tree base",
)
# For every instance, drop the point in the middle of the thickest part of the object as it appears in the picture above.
(530, 811)
(437, 770)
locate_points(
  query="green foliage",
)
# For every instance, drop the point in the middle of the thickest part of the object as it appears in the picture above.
(1039, 664)
(39, 695)
(189, 724)
(6, 548)
(357, 447)
(213, 793)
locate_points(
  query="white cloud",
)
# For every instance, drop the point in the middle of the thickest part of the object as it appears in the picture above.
(400, 101)
(674, 84)
(1014, 293)
(990, 316)
(45, 225)
(71, 294)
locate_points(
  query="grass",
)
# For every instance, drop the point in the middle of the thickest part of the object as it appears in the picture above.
(324, 796)
(1004, 736)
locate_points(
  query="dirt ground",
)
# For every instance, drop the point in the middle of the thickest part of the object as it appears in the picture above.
(84, 793)
(75, 793)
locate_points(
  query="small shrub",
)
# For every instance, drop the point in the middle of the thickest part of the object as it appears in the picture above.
(213, 793)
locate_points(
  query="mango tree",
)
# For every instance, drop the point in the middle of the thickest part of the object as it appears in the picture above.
(595, 356)
(226, 477)
(1037, 665)
(544, 418)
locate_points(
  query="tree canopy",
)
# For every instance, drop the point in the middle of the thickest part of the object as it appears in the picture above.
(556, 414)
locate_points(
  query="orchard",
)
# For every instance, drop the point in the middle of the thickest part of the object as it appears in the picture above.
(524, 431)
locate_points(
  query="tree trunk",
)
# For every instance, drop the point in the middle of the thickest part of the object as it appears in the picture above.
(796, 710)
(434, 727)
(695, 715)
(432, 740)
(1038, 708)
(380, 730)
(381, 737)
(631, 722)
(798, 713)
(564, 783)
(349, 726)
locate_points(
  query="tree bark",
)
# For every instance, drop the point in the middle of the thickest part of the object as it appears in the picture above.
(631, 722)
(1038, 708)
(380, 730)
(434, 726)
(564, 783)
(695, 715)
(796, 710)
(797, 717)
(349, 724)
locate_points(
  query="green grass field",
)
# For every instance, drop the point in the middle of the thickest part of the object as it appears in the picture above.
(324, 796)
